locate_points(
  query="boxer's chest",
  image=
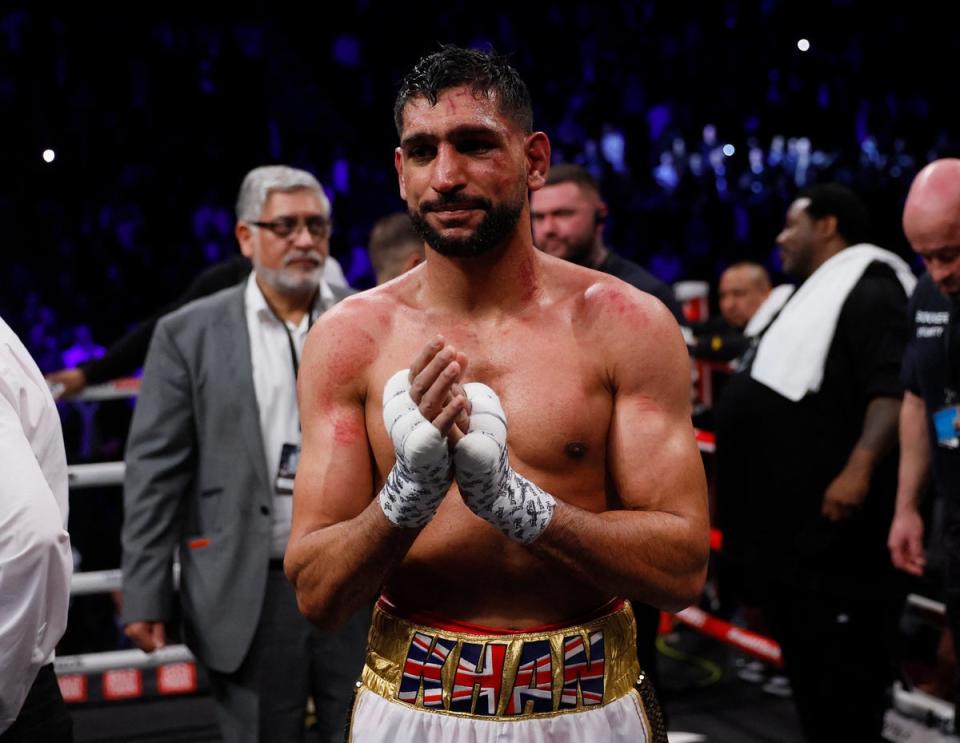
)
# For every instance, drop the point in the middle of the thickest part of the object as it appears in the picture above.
(553, 389)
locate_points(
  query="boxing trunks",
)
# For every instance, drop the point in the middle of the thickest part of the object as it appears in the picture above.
(426, 680)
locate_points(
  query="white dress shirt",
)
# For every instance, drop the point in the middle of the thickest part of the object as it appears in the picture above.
(276, 389)
(36, 562)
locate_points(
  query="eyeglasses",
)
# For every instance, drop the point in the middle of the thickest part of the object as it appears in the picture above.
(318, 227)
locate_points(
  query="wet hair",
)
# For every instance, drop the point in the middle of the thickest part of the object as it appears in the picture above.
(571, 173)
(832, 199)
(485, 73)
(260, 182)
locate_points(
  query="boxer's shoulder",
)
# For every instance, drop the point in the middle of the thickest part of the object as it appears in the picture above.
(347, 339)
(370, 312)
(615, 305)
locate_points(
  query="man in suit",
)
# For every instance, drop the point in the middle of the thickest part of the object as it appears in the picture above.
(213, 442)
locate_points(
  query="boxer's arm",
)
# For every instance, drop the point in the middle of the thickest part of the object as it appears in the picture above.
(656, 548)
(341, 545)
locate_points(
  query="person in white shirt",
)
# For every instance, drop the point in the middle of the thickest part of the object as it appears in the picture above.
(36, 561)
(211, 458)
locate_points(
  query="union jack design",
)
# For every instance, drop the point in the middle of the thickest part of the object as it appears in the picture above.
(425, 659)
(480, 671)
(582, 668)
(534, 679)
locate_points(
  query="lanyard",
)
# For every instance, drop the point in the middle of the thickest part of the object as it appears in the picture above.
(295, 360)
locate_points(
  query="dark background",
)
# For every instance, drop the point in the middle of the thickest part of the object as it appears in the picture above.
(155, 117)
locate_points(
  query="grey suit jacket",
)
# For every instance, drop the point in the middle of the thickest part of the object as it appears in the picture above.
(196, 480)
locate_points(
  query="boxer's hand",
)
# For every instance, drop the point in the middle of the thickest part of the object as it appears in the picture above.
(488, 484)
(435, 387)
(419, 412)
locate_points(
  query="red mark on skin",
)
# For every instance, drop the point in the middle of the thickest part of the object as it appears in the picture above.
(528, 280)
(612, 300)
(346, 431)
(347, 358)
(646, 404)
(351, 357)
(620, 305)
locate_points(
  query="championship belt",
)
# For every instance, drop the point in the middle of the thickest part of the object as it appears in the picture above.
(504, 675)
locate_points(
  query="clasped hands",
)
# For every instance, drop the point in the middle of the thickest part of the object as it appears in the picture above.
(444, 430)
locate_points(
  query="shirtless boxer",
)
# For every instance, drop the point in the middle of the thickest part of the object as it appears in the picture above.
(500, 555)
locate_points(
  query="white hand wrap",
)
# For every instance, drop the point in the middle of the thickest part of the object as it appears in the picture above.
(488, 484)
(423, 472)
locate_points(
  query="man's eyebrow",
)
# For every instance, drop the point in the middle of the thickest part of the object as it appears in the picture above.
(417, 138)
(938, 249)
(464, 131)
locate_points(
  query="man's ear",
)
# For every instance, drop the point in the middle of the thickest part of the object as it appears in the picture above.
(245, 237)
(600, 214)
(537, 149)
(398, 164)
(826, 226)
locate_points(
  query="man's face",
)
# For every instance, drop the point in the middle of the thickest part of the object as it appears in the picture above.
(741, 293)
(463, 172)
(943, 265)
(565, 221)
(931, 222)
(934, 235)
(291, 263)
(797, 240)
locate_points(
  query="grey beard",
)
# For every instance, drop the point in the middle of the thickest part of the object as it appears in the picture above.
(284, 283)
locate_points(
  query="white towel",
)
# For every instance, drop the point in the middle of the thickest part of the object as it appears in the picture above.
(792, 353)
(768, 309)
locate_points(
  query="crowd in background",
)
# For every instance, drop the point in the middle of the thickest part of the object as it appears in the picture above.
(698, 125)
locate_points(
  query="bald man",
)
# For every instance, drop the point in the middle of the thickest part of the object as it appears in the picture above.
(931, 376)
(743, 288)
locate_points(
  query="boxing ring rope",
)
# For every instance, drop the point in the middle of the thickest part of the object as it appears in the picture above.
(95, 475)
(114, 660)
(96, 581)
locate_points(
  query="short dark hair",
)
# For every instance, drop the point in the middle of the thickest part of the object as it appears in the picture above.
(487, 73)
(832, 199)
(392, 238)
(572, 173)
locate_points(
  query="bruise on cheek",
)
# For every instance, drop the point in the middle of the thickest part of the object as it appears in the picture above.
(346, 431)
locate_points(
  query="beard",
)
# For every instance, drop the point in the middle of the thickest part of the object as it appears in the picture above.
(497, 225)
(291, 281)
